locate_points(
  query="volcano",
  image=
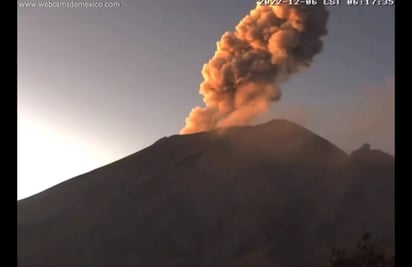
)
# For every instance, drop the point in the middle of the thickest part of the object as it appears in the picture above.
(274, 194)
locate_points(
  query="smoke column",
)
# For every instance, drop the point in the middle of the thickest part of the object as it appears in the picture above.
(249, 65)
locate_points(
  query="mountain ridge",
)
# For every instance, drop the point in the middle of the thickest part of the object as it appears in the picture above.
(276, 193)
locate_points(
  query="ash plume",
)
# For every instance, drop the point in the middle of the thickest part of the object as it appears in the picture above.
(250, 64)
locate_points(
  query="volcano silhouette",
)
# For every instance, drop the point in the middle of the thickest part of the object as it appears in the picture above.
(274, 194)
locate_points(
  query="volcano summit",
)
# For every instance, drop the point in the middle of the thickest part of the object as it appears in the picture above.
(274, 194)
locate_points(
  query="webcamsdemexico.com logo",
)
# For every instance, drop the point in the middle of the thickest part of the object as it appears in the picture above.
(71, 4)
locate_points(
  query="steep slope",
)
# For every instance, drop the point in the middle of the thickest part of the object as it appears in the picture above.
(274, 194)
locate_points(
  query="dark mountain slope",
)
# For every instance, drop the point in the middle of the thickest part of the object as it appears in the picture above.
(274, 194)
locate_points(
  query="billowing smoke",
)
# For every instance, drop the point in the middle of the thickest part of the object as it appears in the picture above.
(250, 64)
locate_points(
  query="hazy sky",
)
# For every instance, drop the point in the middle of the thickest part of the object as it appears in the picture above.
(97, 84)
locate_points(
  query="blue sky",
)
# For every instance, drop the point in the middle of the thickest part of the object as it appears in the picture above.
(97, 84)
